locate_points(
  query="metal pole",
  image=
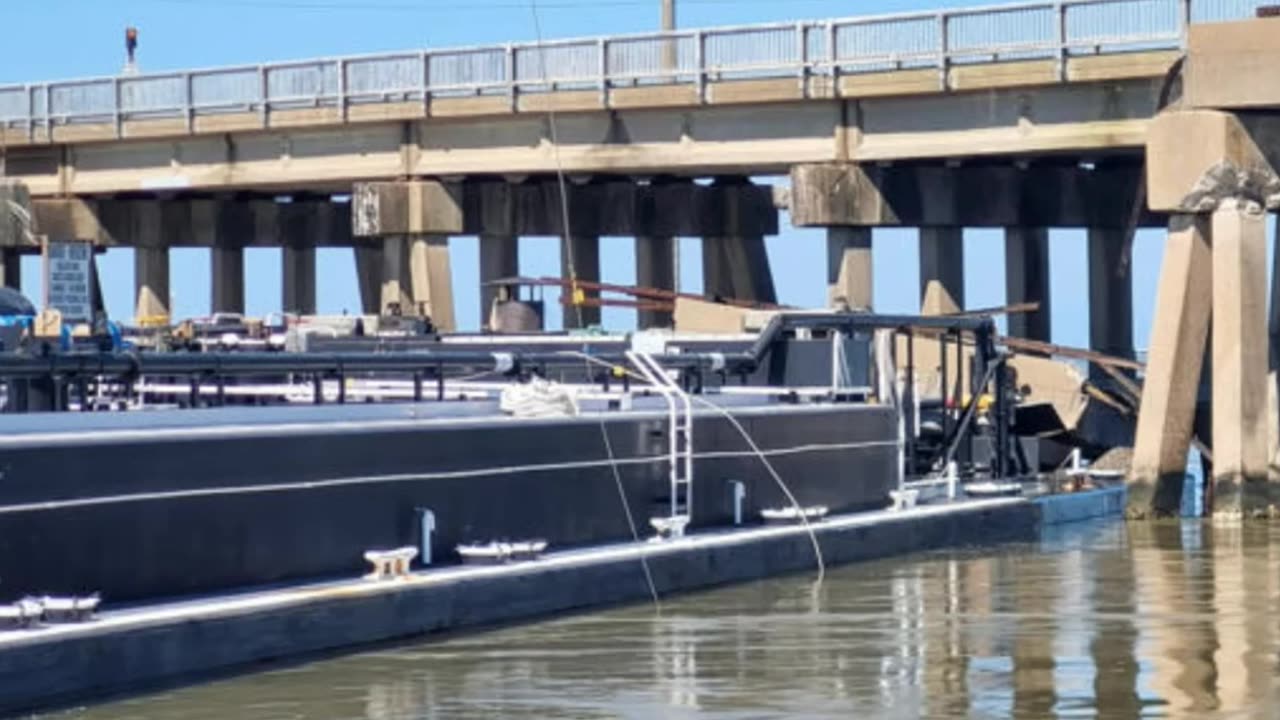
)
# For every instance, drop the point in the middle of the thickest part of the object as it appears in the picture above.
(945, 387)
(669, 52)
(1002, 421)
(909, 403)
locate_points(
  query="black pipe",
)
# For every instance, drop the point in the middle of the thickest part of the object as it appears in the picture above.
(944, 384)
(1002, 421)
(970, 411)
(230, 364)
(57, 368)
(909, 404)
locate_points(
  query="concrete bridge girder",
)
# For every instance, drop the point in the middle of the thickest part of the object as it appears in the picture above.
(759, 132)
(609, 208)
(410, 212)
(941, 200)
(732, 216)
(910, 195)
(194, 222)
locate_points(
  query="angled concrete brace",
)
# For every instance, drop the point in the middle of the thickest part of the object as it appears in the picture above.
(1176, 352)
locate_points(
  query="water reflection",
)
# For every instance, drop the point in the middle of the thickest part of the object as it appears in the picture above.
(1164, 620)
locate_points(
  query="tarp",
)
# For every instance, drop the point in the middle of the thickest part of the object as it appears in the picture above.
(12, 302)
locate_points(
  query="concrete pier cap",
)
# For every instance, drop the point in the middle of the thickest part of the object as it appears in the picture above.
(415, 207)
(1198, 158)
(987, 194)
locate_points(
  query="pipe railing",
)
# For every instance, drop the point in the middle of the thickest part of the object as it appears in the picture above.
(1050, 29)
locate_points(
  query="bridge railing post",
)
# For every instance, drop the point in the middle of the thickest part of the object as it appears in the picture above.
(424, 62)
(944, 64)
(700, 41)
(264, 90)
(1184, 20)
(833, 57)
(117, 117)
(30, 93)
(342, 90)
(189, 90)
(48, 112)
(1060, 21)
(510, 71)
(602, 48)
(802, 57)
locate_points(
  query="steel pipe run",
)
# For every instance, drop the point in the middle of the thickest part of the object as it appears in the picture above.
(56, 371)
(90, 364)
(429, 364)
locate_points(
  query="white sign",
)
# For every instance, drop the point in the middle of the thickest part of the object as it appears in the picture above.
(67, 280)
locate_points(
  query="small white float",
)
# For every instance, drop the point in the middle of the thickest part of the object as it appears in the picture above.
(496, 553)
(991, 488)
(792, 514)
(69, 609)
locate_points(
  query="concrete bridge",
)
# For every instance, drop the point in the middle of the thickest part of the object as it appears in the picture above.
(149, 161)
(1103, 114)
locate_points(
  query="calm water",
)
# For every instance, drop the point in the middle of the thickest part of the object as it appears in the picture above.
(1102, 621)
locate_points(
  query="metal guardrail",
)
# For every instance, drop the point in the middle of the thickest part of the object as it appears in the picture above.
(1058, 30)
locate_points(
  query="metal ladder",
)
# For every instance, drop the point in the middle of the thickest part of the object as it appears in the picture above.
(680, 434)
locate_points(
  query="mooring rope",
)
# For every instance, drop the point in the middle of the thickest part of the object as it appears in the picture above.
(761, 454)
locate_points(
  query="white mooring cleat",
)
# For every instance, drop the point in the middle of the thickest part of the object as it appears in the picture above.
(390, 564)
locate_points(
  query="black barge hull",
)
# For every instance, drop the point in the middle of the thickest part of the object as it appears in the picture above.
(141, 506)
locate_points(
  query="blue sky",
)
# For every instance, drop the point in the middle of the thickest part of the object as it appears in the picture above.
(58, 39)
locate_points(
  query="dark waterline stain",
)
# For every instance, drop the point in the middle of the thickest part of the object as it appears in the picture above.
(1106, 620)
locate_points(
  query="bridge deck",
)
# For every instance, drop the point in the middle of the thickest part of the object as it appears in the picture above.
(330, 111)
(921, 52)
(1078, 78)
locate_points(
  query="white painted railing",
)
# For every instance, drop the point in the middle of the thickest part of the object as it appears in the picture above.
(1045, 30)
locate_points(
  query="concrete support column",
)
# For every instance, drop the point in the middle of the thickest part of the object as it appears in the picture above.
(585, 251)
(737, 268)
(1026, 272)
(849, 268)
(414, 220)
(1176, 353)
(397, 295)
(1273, 378)
(655, 268)
(151, 282)
(227, 286)
(1110, 294)
(299, 286)
(499, 258)
(369, 278)
(431, 281)
(1240, 359)
(416, 278)
(11, 272)
(941, 270)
